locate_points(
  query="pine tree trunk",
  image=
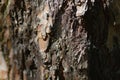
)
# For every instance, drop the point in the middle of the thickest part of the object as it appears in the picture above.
(62, 40)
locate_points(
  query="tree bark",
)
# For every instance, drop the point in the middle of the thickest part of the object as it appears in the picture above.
(62, 39)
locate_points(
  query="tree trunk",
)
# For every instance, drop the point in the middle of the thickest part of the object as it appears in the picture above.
(62, 39)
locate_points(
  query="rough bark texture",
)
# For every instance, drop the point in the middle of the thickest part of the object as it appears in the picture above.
(61, 39)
